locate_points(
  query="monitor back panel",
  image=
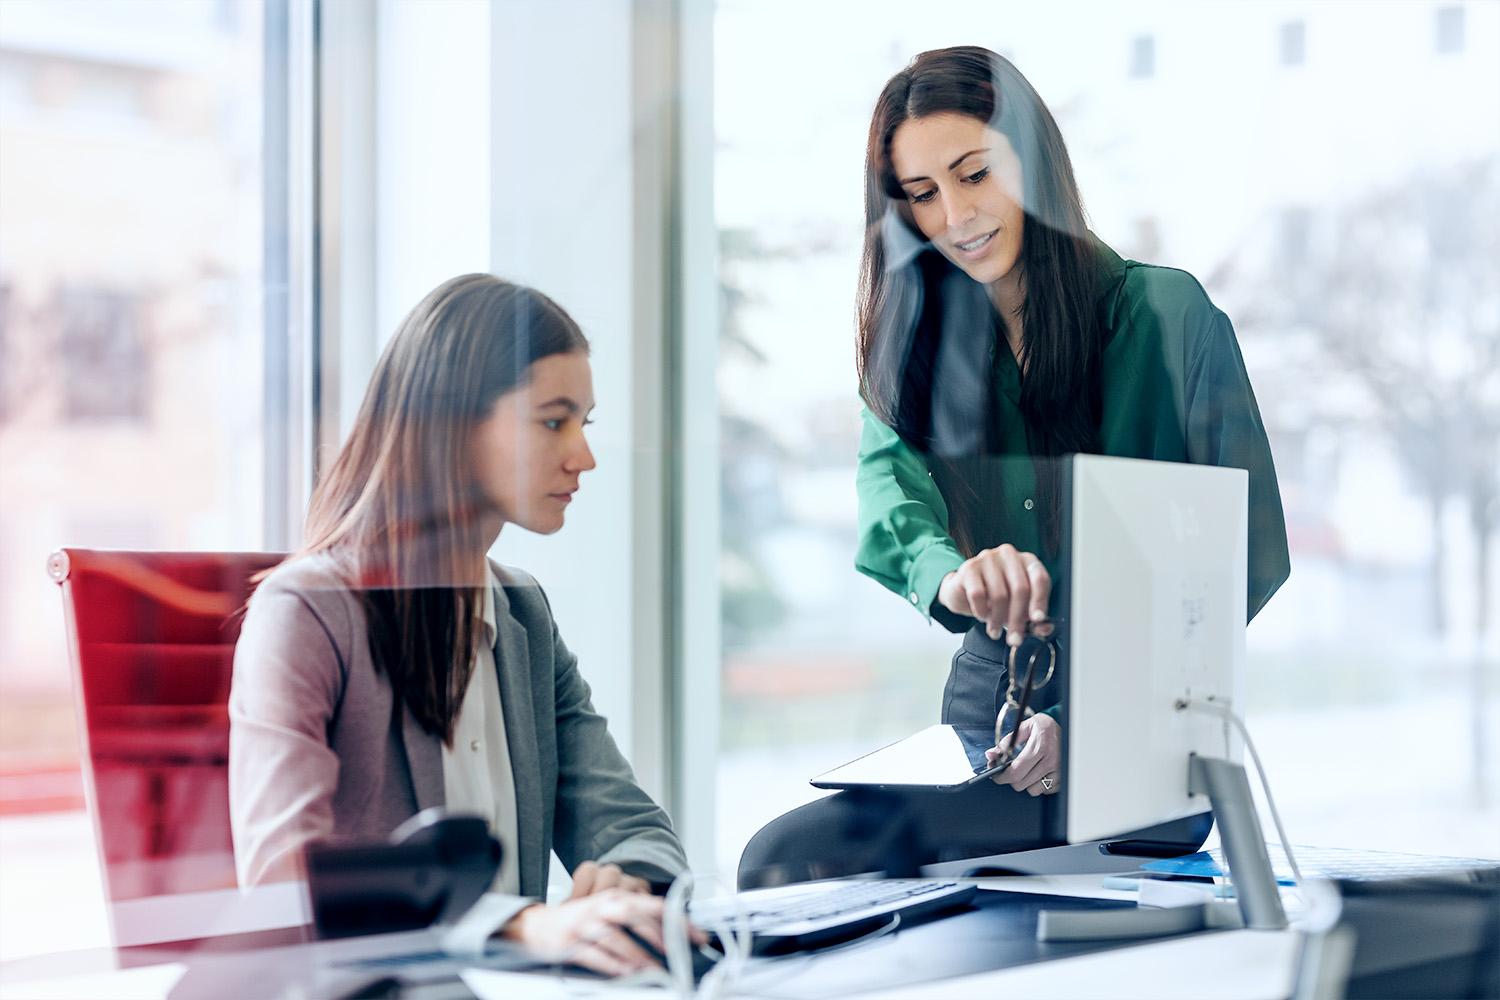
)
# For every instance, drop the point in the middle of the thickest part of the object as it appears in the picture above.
(1158, 586)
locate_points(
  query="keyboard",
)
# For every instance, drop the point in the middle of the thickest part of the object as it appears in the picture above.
(1332, 862)
(1358, 865)
(811, 915)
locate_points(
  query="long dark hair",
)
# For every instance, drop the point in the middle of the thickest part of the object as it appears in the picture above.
(910, 297)
(400, 509)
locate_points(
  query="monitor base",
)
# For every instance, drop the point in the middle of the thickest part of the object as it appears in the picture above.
(1259, 900)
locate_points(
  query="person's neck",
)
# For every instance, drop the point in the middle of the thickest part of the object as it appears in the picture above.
(470, 544)
(490, 524)
(1008, 295)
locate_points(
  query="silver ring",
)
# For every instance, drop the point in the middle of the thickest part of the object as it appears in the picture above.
(1047, 783)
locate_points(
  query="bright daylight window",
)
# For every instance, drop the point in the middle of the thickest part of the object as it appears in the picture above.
(1373, 673)
(133, 327)
(130, 364)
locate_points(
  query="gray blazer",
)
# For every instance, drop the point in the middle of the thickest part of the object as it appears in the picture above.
(316, 750)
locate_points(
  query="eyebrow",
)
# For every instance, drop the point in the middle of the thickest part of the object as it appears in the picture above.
(563, 401)
(955, 163)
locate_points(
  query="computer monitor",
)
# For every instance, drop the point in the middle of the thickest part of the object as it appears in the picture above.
(1155, 616)
(1155, 601)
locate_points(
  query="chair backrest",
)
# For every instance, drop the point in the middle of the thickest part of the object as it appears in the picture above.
(151, 637)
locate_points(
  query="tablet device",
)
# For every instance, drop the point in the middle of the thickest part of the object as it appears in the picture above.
(944, 758)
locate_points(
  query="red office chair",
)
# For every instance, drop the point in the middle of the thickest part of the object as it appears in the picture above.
(151, 637)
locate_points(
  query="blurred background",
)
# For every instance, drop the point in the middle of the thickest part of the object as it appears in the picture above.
(213, 213)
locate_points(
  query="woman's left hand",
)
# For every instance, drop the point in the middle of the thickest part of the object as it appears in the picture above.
(590, 877)
(1035, 769)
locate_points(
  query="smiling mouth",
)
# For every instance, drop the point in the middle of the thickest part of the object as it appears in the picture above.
(976, 243)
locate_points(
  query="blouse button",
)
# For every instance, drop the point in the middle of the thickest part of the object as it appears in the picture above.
(914, 598)
(474, 745)
(1028, 504)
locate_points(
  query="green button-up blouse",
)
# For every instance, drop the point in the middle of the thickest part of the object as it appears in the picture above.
(1174, 389)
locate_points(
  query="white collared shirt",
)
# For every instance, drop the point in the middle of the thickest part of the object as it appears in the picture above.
(477, 775)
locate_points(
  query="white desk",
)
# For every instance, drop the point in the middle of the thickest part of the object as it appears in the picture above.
(1225, 965)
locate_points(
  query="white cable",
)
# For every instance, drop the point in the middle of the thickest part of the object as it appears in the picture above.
(734, 936)
(675, 934)
(1228, 713)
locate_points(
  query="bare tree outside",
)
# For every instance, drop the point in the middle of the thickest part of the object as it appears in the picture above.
(1386, 312)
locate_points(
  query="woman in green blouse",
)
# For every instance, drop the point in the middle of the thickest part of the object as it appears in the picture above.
(996, 335)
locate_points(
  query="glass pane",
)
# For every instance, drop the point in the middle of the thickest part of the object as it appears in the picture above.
(1350, 255)
(130, 376)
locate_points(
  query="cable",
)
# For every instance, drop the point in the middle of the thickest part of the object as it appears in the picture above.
(765, 977)
(863, 939)
(736, 938)
(675, 934)
(1229, 715)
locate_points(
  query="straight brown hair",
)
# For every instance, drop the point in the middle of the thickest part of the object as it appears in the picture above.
(400, 510)
(903, 296)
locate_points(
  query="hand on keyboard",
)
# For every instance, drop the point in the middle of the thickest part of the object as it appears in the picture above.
(600, 932)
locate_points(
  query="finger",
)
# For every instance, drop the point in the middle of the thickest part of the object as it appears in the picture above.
(632, 883)
(649, 929)
(996, 595)
(625, 948)
(620, 907)
(1028, 762)
(1019, 587)
(1030, 742)
(972, 582)
(951, 594)
(1004, 742)
(1025, 773)
(1041, 586)
(1051, 768)
(607, 877)
(591, 956)
(1035, 787)
(1005, 776)
(642, 913)
(1024, 780)
(999, 748)
(583, 880)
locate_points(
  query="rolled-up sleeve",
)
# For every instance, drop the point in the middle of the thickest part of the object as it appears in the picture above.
(903, 522)
(282, 773)
(1224, 428)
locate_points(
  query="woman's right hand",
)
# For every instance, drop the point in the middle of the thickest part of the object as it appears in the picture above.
(1002, 587)
(590, 931)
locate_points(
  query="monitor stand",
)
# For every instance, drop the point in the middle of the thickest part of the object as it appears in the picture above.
(1228, 791)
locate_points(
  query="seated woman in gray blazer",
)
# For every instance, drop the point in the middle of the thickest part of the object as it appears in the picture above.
(390, 666)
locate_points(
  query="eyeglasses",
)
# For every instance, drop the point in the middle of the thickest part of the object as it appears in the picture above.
(1045, 631)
